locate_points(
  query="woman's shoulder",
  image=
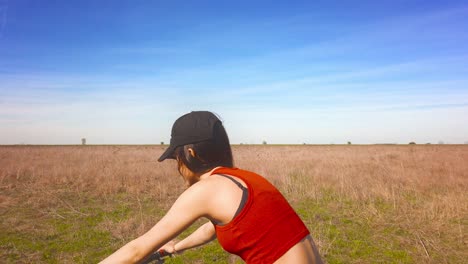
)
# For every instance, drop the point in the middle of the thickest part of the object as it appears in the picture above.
(206, 187)
(221, 185)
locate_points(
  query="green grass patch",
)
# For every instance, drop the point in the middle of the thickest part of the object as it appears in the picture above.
(74, 239)
(351, 235)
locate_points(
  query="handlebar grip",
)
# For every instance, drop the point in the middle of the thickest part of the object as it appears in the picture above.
(158, 256)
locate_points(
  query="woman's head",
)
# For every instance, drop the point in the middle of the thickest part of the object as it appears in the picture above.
(203, 156)
(200, 142)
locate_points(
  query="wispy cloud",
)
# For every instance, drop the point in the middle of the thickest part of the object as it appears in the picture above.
(397, 47)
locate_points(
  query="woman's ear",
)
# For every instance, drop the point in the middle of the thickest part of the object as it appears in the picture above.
(192, 152)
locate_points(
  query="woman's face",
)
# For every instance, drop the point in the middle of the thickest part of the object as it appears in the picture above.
(189, 177)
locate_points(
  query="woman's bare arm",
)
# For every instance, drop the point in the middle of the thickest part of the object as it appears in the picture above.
(188, 208)
(201, 236)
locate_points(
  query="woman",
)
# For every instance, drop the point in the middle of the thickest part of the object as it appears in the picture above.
(248, 215)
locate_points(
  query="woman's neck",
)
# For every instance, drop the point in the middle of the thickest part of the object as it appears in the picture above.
(207, 174)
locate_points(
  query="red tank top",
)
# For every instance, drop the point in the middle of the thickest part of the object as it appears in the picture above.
(266, 228)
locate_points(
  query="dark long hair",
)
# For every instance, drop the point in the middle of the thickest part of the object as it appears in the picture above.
(208, 154)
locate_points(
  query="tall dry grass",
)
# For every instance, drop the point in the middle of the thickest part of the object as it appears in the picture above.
(419, 191)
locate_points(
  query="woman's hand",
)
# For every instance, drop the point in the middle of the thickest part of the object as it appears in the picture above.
(169, 247)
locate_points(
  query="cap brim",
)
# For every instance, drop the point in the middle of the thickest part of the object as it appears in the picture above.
(168, 154)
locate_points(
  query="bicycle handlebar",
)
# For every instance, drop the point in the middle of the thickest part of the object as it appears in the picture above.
(157, 256)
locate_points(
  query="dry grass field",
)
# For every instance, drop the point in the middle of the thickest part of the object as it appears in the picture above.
(362, 204)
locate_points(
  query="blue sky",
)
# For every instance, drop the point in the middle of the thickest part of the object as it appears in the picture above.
(121, 72)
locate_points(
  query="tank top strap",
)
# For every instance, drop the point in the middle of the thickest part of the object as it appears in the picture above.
(245, 195)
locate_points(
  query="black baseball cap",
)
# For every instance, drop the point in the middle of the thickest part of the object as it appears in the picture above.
(194, 127)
